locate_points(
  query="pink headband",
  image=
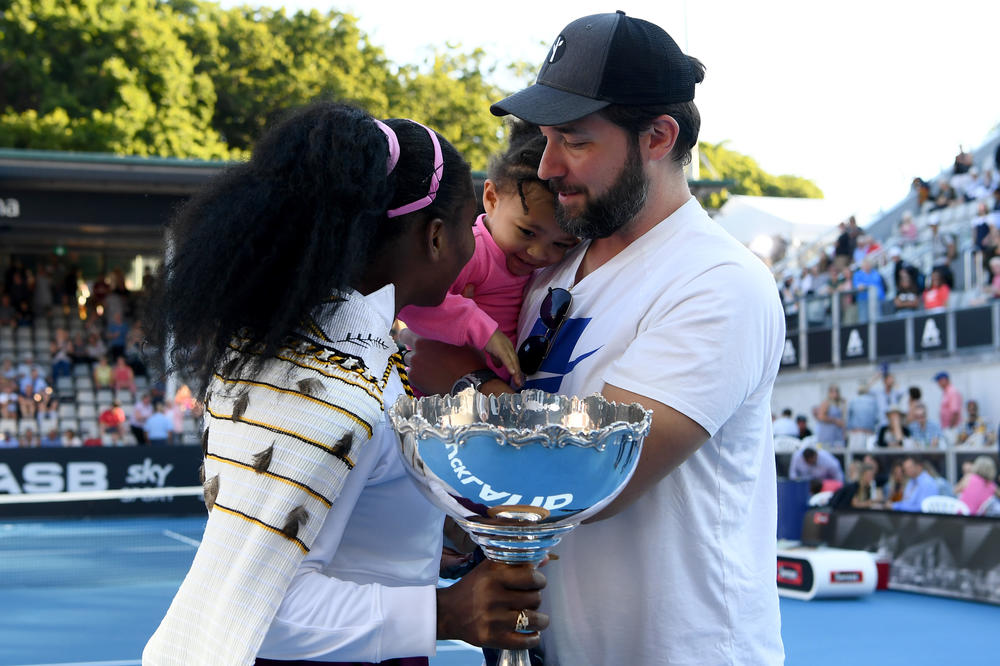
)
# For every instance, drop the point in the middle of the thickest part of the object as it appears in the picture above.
(394, 158)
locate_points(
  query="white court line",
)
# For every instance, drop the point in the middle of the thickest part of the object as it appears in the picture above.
(183, 539)
(126, 662)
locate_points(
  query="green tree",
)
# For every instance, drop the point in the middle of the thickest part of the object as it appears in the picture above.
(102, 75)
(747, 177)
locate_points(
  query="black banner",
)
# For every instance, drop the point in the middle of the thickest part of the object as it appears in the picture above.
(790, 354)
(30, 471)
(820, 346)
(854, 343)
(974, 327)
(930, 333)
(944, 555)
(890, 338)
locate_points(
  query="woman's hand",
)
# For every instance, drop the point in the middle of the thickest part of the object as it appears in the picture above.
(483, 607)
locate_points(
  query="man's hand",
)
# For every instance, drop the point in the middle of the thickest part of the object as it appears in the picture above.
(483, 607)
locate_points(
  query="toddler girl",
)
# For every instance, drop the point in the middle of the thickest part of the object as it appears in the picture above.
(516, 235)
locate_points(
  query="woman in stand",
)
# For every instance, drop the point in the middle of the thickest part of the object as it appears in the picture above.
(286, 275)
(830, 416)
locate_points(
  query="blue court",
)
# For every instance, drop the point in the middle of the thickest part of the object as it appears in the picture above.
(90, 592)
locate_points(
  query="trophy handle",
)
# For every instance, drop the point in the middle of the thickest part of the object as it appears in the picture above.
(514, 658)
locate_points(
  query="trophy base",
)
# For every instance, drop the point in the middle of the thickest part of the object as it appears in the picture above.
(513, 538)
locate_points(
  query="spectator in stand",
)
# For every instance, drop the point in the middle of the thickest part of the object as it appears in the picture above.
(9, 440)
(951, 402)
(52, 439)
(843, 250)
(925, 433)
(25, 367)
(994, 285)
(71, 439)
(33, 386)
(9, 396)
(159, 428)
(7, 369)
(141, 411)
(116, 335)
(784, 426)
(979, 485)
(923, 190)
(973, 430)
(98, 292)
(183, 403)
(829, 415)
(943, 252)
(848, 304)
(914, 400)
(864, 278)
(8, 314)
(62, 355)
(896, 483)
(920, 486)
(95, 347)
(860, 493)
(900, 265)
(112, 420)
(29, 440)
(789, 292)
(944, 487)
(944, 195)
(984, 230)
(936, 295)
(862, 413)
(802, 423)
(886, 393)
(122, 376)
(42, 292)
(908, 229)
(908, 294)
(103, 373)
(893, 433)
(809, 463)
(866, 245)
(20, 298)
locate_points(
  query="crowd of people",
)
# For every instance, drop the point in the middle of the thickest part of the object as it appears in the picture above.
(911, 268)
(64, 338)
(881, 416)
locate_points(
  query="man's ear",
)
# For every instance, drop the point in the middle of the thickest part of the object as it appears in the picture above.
(490, 196)
(662, 136)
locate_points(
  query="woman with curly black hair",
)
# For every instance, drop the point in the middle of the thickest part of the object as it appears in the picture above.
(282, 282)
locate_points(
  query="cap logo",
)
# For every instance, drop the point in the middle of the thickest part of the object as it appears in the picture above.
(557, 49)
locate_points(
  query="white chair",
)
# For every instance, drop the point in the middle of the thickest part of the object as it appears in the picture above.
(786, 444)
(85, 397)
(86, 411)
(105, 396)
(821, 499)
(944, 504)
(67, 410)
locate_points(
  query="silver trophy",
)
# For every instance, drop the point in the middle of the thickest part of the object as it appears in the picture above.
(517, 471)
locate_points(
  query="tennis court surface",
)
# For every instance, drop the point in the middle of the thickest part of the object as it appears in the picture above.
(91, 591)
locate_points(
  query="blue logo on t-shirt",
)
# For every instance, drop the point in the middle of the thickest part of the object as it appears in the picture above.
(558, 363)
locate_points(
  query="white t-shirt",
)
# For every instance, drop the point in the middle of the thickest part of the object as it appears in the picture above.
(688, 317)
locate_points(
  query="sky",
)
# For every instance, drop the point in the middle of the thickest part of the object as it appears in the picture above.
(857, 96)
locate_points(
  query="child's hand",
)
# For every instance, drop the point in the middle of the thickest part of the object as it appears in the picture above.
(502, 351)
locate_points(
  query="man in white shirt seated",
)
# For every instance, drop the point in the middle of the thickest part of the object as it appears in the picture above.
(808, 463)
(784, 425)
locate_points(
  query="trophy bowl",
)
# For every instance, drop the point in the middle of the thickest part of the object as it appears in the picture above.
(517, 471)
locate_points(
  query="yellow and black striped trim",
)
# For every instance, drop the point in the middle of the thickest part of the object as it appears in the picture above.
(397, 360)
(281, 431)
(261, 523)
(271, 387)
(327, 503)
(377, 395)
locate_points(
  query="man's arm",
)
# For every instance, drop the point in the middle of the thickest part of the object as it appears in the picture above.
(672, 438)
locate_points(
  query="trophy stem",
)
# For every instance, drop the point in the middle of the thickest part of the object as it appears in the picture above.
(514, 658)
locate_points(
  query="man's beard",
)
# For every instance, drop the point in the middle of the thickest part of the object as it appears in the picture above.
(606, 214)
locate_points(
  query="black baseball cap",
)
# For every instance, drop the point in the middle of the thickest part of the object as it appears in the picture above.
(600, 60)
